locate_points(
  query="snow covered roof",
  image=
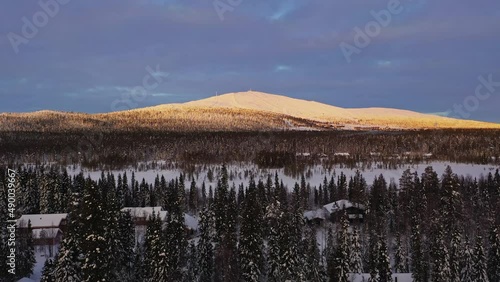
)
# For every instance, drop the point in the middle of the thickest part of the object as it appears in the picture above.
(341, 205)
(49, 233)
(145, 212)
(190, 222)
(319, 213)
(41, 220)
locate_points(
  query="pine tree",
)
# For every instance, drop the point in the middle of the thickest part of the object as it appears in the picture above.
(95, 216)
(251, 241)
(418, 266)
(479, 261)
(193, 197)
(68, 263)
(329, 254)
(192, 268)
(48, 274)
(69, 258)
(384, 264)
(174, 234)
(455, 256)
(342, 254)
(25, 249)
(125, 256)
(155, 259)
(494, 255)
(440, 258)
(140, 271)
(121, 192)
(467, 273)
(205, 247)
(48, 188)
(374, 260)
(32, 196)
(356, 261)
(399, 256)
(313, 266)
(226, 259)
(274, 216)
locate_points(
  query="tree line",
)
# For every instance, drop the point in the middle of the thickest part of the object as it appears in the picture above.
(439, 228)
(111, 150)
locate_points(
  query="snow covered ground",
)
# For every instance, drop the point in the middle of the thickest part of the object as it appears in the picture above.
(316, 177)
(317, 173)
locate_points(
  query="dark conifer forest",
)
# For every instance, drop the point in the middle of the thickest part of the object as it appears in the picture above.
(436, 227)
(116, 149)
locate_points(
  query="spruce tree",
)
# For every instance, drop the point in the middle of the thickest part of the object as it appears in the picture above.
(205, 247)
(140, 270)
(455, 256)
(156, 257)
(313, 266)
(48, 274)
(69, 258)
(274, 216)
(329, 254)
(342, 252)
(97, 265)
(399, 256)
(192, 268)
(384, 262)
(251, 241)
(440, 258)
(467, 273)
(494, 255)
(193, 197)
(226, 259)
(174, 234)
(374, 257)
(125, 255)
(355, 261)
(479, 262)
(25, 249)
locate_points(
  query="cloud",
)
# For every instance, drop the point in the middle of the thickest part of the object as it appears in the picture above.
(164, 94)
(289, 47)
(280, 68)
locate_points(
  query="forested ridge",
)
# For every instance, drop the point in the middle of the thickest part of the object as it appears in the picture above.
(114, 149)
(438, 227)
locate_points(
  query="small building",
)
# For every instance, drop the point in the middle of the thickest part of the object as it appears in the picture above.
(140, 216)
(334, 211)
(314, 217)
(47, 229)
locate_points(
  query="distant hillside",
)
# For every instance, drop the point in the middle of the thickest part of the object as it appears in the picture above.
(243, 111)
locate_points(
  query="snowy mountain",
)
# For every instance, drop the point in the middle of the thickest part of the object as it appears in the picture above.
(236, 112)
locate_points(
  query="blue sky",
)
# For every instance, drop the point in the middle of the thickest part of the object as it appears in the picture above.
(86, 54)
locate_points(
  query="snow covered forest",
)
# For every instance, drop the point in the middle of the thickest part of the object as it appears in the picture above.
(438, 227)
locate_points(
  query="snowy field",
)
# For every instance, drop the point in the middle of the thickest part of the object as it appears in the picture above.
(316, 176)
(241, 174)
